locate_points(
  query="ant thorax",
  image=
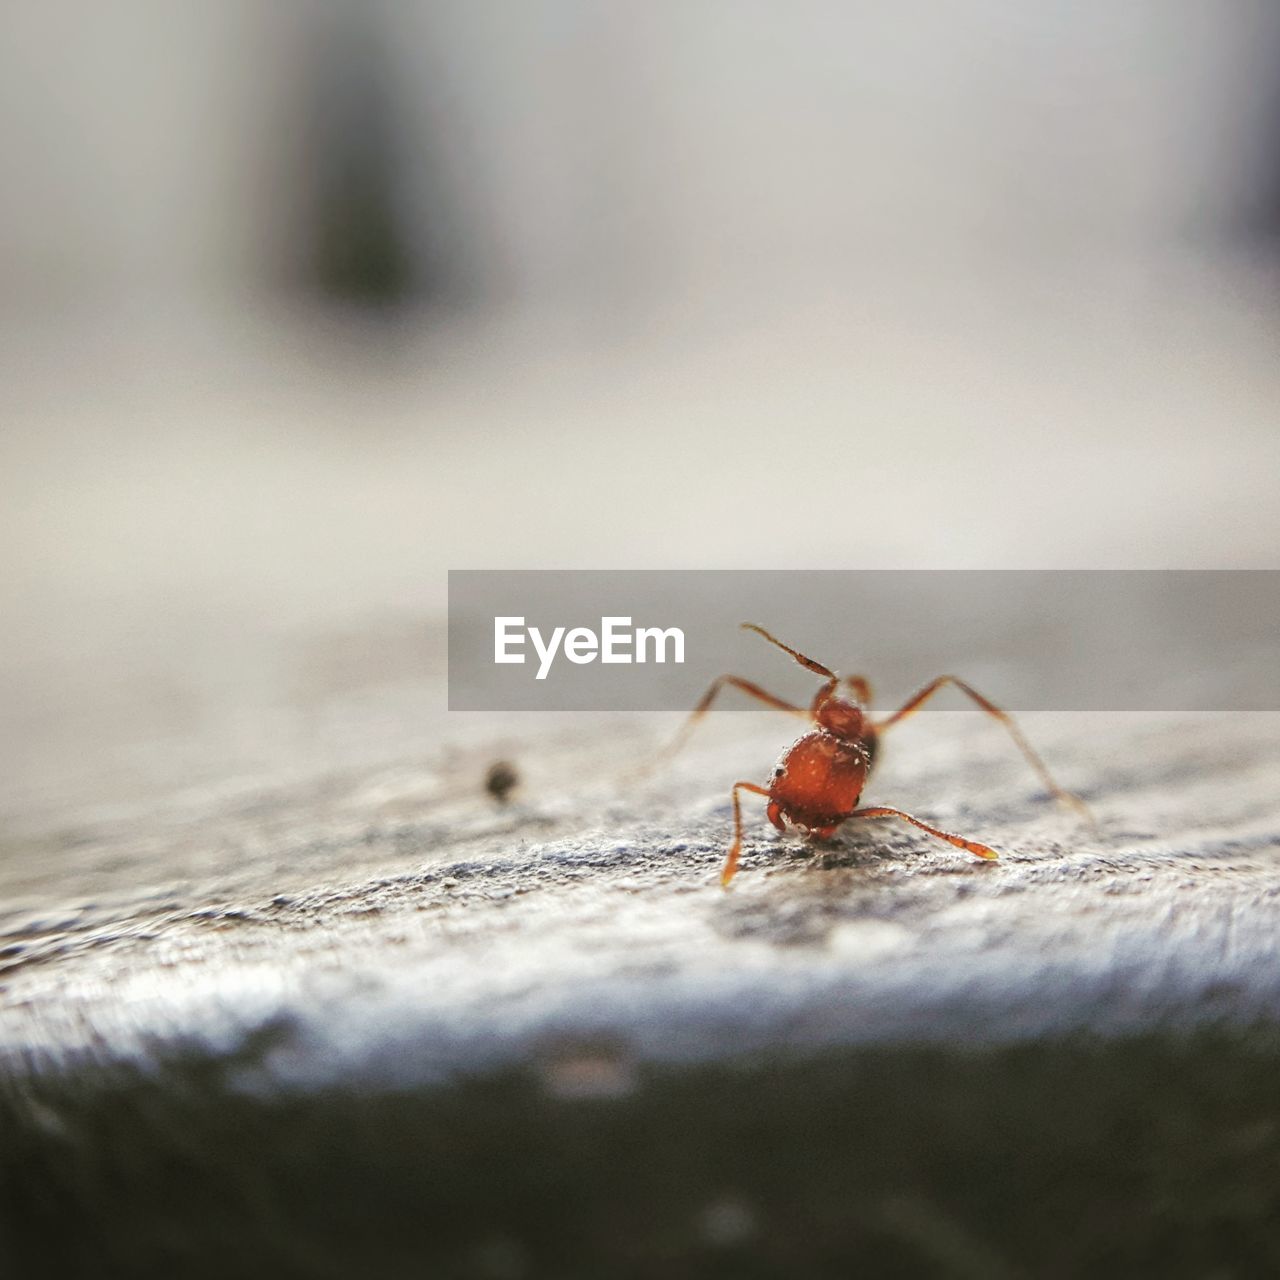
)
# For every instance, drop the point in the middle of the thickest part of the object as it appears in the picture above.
(841, 718)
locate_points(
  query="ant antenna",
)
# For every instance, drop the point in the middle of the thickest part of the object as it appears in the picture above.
(816, 667)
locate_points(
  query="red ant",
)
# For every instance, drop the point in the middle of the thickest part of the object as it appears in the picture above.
(818, 780)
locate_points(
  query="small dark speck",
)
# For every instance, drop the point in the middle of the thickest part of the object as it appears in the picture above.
(500, 780)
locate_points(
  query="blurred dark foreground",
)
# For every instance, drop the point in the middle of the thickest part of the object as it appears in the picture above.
(1154, 1155)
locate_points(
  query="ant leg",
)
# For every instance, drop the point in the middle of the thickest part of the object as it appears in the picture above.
(747, 687)
(978, 850)
(735, 850)
(861, 688)
(917, 700)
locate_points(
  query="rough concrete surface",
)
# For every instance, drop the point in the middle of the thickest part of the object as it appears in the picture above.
(363, 1018)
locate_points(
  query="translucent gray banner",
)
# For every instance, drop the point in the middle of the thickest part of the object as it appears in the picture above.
(599, 640)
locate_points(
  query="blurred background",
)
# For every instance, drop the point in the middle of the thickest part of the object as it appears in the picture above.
(302, 304)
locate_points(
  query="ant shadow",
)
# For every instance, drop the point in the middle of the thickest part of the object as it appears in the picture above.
(857, 850)
(795, 891)
(854, 849)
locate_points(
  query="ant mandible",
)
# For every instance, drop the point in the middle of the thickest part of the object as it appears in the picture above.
(818, 780)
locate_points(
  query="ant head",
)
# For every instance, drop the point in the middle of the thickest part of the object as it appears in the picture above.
(844, 719)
